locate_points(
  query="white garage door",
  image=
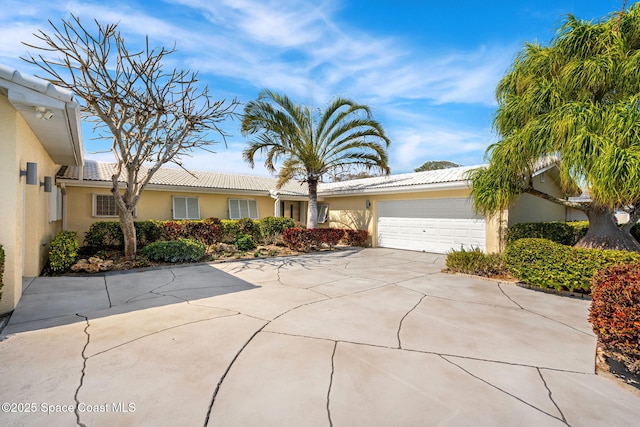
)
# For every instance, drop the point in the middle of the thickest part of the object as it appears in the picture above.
(430, 225)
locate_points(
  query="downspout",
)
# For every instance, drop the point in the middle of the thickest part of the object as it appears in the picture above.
(63, 191)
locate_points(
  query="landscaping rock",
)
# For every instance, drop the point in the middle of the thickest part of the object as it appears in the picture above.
(92, 265)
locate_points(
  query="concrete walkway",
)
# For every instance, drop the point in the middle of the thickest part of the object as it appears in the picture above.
(348, 338)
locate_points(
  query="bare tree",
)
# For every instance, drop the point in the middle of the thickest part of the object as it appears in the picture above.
(150, 115)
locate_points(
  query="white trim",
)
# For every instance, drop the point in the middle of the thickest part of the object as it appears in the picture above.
(235, 212)
(326, 213)
(94, 206)
(187, 210)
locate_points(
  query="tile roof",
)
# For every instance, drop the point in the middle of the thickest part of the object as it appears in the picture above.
(102, 172)
(406, 180)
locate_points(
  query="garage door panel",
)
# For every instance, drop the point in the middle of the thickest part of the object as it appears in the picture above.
(428, 225)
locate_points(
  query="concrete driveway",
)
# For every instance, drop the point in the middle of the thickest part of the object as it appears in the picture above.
(373, 337)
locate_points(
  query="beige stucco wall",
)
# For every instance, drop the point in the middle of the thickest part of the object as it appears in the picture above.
(351, 211)
(153, 204)
(531, 208)
(25, 208)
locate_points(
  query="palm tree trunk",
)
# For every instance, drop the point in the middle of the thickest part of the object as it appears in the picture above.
(312, 212)
(605, 234)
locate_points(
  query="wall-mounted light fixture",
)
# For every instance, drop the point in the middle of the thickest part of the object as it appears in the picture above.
(368, 204)
(31, 173)
(47, 184)
(43, 113)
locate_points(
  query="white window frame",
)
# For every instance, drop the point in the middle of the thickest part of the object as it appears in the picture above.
(250, 207)
(94, 207)
(323, 213)
(189, 213)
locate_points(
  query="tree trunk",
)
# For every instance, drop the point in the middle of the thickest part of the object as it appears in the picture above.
(604, 233)
(312, 212)
(129, 233)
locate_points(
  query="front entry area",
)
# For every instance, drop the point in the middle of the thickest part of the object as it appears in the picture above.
(429, 225)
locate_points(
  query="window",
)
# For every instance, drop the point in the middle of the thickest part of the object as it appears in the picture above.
(323, 213)
(243, 208)
(186, 208)
(104, 205)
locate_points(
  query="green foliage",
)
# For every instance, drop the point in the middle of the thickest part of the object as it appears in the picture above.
(436, 165)
(181, 250)
(565, 233)
(244, 242)
(1, 269)
(108, 234)
(63, 251)
(543, 263)
(615, 313)
(271, 228)
(308, 143)
(576, 100)
(476, 262)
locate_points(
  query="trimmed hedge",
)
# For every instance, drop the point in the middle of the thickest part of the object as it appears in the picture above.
(565, 233)
(181, 250)
(615, 313)
(476, 262)
(302, 239)
(547, 264)
(356, 237)
(108, 234)
(63, 251)
(271, 228)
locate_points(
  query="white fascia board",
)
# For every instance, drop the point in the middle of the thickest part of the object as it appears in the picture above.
(456, 185)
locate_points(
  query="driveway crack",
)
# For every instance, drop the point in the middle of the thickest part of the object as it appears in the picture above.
(333, 355)
(404, 317)
(509, 298)
(106, 288)
(564, 419)
(83, 372)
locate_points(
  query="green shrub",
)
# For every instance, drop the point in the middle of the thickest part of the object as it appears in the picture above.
(271, 228)
(1, 269)
(547, 264)
(244, 242)
(181, 250)
(615, 313)
(108, 234)
(565, 233)
(476, 262)
(63, 251)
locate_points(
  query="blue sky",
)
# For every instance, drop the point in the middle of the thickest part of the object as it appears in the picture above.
(428, 69)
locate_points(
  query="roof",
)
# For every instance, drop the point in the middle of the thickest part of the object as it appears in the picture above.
(218, 182)
(196, 180)
(59, 132)
(408, 182)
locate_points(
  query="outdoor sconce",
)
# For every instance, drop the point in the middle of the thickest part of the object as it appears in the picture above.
(47, 184)
(368, 204)
(43, 113)
(31, 173)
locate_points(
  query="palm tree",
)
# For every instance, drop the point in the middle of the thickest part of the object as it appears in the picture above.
(308, 143)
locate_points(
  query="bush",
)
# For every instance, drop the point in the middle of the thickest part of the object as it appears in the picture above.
(615, 313)
(325, 236)
(108, 234)
(297, 239)
(543, 263)
(271, 228)
(244, 242)
(565, 233)
(356, 237)
(181, 250)
(476, 262)
(207, 232)
(63, 251)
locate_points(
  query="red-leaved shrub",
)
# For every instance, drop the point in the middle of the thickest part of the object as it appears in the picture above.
(356, 237)
(615, 312)
(326, 236)
(172, 230)
(297, 238)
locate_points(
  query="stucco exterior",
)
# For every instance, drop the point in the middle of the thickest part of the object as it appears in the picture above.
(26, 229)
(154, 204)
